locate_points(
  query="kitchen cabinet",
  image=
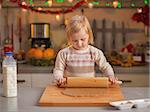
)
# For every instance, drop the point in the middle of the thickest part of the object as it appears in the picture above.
(32, 80)
(43, 79)
(24, 80)
(35, 76)
(133, 80)
(0, 80)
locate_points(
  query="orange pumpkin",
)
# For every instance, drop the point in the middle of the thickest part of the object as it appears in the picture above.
(49, 53)
(30, 53)
(38, 54)
(35, 53)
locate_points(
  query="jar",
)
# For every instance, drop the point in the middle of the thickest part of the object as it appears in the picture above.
(139, 54)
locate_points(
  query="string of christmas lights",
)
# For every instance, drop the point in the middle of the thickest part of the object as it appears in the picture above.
(90, 3)
(39, 10)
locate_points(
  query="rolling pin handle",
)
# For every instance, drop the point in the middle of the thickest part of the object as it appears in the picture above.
(119, 82)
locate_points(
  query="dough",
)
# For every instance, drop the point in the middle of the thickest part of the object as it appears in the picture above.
(83, 92)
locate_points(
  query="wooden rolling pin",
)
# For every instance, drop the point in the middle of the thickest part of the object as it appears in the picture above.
(88, 82)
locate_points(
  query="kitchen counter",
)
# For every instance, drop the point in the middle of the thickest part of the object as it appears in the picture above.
(27, 68)
(27, 101)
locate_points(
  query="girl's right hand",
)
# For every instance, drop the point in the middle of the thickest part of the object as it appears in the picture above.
(61, 81)
(113, 79)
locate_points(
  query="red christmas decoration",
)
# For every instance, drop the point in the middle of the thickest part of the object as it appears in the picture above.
(70, 9)
(1, 1)
(142, 16)
(130, 48)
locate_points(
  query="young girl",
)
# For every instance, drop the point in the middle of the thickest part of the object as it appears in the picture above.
(79, 58)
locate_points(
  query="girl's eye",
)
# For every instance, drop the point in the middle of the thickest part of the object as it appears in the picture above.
(83, 39)
(75, 41)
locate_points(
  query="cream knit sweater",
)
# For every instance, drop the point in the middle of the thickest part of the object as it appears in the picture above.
(71, 62)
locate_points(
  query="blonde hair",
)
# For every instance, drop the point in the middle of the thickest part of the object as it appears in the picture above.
(76, 23)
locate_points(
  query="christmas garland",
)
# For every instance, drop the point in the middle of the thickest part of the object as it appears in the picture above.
(68, 10)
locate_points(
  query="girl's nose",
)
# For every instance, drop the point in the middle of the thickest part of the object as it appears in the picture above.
(79, 43)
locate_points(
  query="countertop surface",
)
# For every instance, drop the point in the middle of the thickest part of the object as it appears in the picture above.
(27, 68)
(27, 101)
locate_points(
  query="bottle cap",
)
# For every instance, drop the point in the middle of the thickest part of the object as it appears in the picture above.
(9, 54)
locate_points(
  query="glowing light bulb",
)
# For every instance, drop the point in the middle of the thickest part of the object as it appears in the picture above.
(66, 21)
(50, 3)
(39, 8)
(58, 17)
(24, 10)
(90, 5)
(23, 3)
(0, 6)
(115, 4)
(70, 1)
(139, 10)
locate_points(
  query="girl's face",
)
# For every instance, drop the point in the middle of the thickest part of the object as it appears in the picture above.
(79, 40)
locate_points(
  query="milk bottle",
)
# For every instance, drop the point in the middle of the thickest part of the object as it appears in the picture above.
(9, 75)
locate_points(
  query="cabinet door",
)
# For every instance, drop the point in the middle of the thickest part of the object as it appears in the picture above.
(24, 80)
(134, 80)
(1, 80)
(42, 80)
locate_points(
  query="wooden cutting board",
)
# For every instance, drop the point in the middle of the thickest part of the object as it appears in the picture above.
(52, 96)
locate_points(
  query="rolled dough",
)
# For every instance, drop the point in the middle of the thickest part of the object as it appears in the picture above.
(83, 92)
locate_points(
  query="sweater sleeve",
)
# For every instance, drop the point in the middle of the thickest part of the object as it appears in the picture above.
(60, 64)
(104, 66)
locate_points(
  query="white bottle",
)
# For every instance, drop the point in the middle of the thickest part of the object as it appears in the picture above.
(9, 75)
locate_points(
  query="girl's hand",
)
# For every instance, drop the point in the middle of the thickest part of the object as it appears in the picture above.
(61, 81)
(113, 79)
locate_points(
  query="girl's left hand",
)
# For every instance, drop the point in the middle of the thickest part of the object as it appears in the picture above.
(113, 79)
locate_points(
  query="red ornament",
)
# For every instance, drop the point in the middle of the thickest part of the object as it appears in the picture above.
(8, 48)
(130, 48)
